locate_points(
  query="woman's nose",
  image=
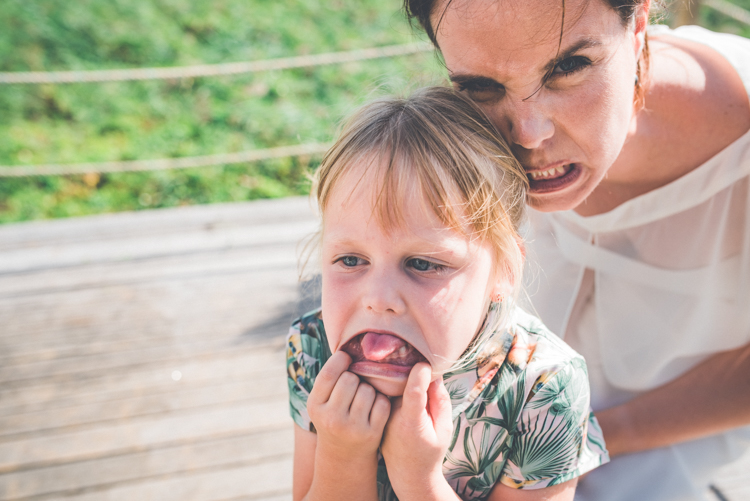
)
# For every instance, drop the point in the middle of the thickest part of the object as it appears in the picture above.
(529, 125)
(383, 293)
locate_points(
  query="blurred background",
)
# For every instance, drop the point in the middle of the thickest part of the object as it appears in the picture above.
(141, 350)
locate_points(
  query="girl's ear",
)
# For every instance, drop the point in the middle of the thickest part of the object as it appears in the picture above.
(505, 281)
(521, 247)
(503, 288)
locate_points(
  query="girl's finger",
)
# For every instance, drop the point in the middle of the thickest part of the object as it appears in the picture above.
(439, 404)
(362, 403)
(381, 410)
(344, 391)
(329, 375)
(414, 401)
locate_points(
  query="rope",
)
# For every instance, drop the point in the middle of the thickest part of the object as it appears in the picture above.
(207, 70)
(164, 163)
(729, 9)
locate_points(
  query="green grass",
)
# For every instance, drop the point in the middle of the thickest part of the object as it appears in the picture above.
(720, 22)
(155, 119)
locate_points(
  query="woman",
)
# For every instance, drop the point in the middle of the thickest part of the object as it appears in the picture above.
(637, 149)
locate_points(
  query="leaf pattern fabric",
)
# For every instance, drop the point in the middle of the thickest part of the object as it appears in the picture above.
(521, 411)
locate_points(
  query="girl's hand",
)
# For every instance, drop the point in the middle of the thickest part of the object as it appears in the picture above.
(417, 437)
(348, 414)
(349, 418)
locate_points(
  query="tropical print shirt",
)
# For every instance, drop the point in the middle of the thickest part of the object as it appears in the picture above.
(521, 411)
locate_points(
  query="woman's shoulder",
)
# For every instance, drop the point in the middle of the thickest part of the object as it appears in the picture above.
(734, 49)
(697, 99)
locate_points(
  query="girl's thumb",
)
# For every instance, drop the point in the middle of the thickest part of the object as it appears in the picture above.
(439, 405)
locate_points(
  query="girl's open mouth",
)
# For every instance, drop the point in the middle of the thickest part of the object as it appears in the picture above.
(380, 355)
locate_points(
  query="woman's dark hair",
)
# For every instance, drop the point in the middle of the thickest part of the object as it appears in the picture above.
(419, 12)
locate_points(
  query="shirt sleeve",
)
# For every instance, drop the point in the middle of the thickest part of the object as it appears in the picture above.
(557, 437)
(302, 364)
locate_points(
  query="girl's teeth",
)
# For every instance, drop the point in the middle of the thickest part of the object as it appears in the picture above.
(402, 351)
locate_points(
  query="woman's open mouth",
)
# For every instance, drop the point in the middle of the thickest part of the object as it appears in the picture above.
(381, 355)
(553, 178)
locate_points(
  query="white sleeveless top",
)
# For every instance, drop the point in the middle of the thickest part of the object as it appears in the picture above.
(669, 286)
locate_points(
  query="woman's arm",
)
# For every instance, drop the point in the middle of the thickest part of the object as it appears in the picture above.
(712, 397)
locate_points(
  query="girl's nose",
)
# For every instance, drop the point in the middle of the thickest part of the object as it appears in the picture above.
(383, 294)
(529, 125)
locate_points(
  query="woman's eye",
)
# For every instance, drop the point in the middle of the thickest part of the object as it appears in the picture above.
(423, 265)
(571, 65)
(481, 90)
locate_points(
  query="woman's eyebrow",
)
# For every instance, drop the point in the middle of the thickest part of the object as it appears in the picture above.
(583, 43)
(472, 79)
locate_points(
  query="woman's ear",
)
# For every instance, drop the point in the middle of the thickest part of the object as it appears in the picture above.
(640, 19)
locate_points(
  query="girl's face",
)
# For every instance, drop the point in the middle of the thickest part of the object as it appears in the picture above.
(394, 298)
(569, 130)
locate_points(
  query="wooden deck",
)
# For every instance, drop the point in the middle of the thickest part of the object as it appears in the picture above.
(141, 355)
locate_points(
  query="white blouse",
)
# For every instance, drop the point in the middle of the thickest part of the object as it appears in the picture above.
(668, 285)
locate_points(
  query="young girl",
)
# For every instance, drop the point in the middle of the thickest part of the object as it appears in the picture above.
(419, 378)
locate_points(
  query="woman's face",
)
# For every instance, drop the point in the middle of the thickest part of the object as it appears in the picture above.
(567, 131)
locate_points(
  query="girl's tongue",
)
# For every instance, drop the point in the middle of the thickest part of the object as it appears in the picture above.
(376, 347)
(382, 349)
(382, 360)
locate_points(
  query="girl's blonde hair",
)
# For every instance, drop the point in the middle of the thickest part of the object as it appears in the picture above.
(439, 145)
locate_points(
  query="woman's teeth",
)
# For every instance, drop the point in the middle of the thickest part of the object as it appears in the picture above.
(549, 173)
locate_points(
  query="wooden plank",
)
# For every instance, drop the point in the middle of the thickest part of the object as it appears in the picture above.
(193, 267)
(148, 247)
(106, 386)
(143, 433)
(80, 320)
(269, 479)
(73, 477)
(157, 222)
(109, 362)
(67, 418)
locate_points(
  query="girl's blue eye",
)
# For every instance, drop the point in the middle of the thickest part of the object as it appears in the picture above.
(349, 261)
(422, 264)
